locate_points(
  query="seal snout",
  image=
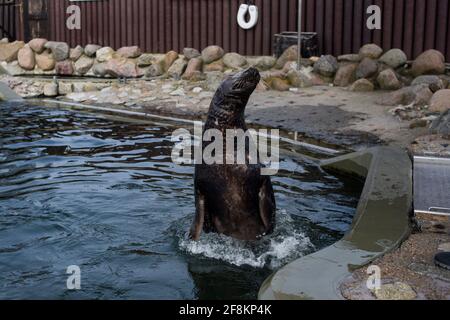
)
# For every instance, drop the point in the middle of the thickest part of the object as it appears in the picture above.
(246, 79)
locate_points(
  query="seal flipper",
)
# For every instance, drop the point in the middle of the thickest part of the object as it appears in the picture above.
(267, 205)
(197, 225)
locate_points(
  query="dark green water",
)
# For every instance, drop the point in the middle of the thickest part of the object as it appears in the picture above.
(79, 189)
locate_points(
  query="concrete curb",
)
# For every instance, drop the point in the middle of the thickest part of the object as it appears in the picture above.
(381, 224)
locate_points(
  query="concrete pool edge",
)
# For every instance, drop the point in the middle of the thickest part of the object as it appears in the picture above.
(7, 94)
(381, 224)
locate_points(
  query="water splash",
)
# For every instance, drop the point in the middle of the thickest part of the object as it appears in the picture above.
(284, 245)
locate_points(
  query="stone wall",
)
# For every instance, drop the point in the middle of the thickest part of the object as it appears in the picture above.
(413, 84)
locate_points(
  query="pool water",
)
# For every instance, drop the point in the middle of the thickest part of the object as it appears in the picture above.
(103, 194)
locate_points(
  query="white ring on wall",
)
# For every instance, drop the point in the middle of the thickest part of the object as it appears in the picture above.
(253, 12)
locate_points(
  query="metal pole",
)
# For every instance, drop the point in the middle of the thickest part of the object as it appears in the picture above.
(299, 40)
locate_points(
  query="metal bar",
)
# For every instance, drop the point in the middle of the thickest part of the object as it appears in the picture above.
(299, 40)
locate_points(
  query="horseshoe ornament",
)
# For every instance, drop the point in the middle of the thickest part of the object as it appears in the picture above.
(252, 11)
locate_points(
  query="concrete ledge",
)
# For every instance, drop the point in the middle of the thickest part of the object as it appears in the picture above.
(381, 224)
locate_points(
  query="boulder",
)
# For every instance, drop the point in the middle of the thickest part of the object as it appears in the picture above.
(91, 49)
(169, 59)
(129, 52)
(440, 102)
(99, 69)
(262, 63)
(349, 58)
(104, 54)
(60, 50)
(121, 68)
(300, 78)
(417, 95)
(394, 58)
(441, 126)
(345, 75)
(177, 68)
(191, 53)
(234, 60)
(45, 61)
(38, 44)
(371, 51)
(290, 54)
(366, 69)
(64, 68)
(434, 82)
(155, 70)
(387, 80)
(76, 53)
(9, 51)
(83, 64)
(213, 80)
(217, 65)
(146, 59)
(26, 58)
(212, 53)
(194, 65)
(326, 66)
(51, 89)
(4, 40)
(279, 84)
(362, 85)
(429, 62)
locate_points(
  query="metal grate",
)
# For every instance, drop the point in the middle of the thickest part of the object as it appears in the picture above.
(432, 185)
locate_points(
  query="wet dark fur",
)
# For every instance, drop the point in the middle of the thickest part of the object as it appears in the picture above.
(235, 200)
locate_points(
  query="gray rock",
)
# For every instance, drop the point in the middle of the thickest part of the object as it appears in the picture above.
(326, 66)
(83, 65)
(362, 85)
(290, 54)
(262, 63)
(440, 102)
(26, 58)
(349, 58)
(99, 69)
(212, 53)
(177, 68)
(129, 52)
(9, 51)
(191, 53)
(429, 62)
(104, 54)
(91, 49)
(366, 69)
(394, 58)
(147, 59)
(388, 80)
(234, 60)
(155, 70)
(300, 79)
(60, 50)
(434, 82)
(37, 44)
(345, 75)
(371, 51)
(76, 53)
(213, 80)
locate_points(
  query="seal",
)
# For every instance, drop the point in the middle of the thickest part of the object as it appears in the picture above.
(233, 199)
